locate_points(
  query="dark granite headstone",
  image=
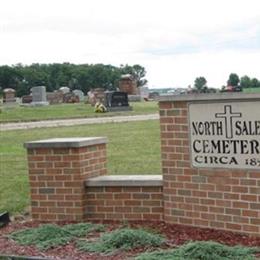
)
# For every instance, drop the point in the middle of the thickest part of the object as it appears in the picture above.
(4, 219)
(117, 101)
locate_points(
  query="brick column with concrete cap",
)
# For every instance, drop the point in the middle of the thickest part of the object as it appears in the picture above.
(58, 169)
(203, 187)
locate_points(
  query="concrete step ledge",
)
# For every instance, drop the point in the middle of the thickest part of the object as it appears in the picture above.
(125, 180)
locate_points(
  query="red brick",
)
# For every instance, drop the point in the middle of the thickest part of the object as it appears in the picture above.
(216, 224)
(56, 210)
(61, 151)
(208, 216)
(120, 196)
(113, 216)
(233, 226)
(123, 209)
(35, 158)
(249, 197)
(53, 158)
(231, 196)
(133, 216)
(240, 205)
(240, 220)
(240, 189)
(165, 105)
(105, 209)
(201, 223)
(114, 202)
(152, 216)
(250, 228)
(64, 191)
(224, 218)
(113, 189)
(151, 189)
(249, 213)
(133, 202)
(157, 209)
(232, 211)
(141, 209)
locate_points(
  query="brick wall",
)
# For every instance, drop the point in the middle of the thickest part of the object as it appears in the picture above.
(216, 198)
(124, 202)
(57, 175)
(69, 183)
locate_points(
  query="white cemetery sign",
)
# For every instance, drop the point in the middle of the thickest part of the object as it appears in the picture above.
(225, 135)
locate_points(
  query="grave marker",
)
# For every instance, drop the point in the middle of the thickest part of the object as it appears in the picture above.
(39, 96)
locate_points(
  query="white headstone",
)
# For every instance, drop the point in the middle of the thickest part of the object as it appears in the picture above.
(79, 93)
(64, 90)
(39, 96)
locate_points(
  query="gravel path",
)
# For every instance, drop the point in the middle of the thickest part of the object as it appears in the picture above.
(78, 121)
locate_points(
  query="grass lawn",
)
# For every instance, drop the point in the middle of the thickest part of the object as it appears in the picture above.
(133, 148)
(251, 90)
(16, 114)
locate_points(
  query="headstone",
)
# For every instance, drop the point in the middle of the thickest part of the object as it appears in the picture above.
(64, 89)
(9, 95)
(80, 94)
(128, 84)
(134, 98)
(117, 101)
(55, 97)
(144, 93)
(27, 99)
(70, 98)
(39, 96)
(4, 219)
(91, 98)
(96, 95)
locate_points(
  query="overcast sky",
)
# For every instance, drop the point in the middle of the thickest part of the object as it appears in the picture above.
(175, 40)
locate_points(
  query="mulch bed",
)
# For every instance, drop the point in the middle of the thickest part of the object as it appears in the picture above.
(175, 234)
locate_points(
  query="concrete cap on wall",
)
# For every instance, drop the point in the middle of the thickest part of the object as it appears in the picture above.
(211, 97)
(72, 142)
(125, 181)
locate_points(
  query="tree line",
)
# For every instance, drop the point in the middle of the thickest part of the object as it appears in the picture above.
(200, 83)
(84, 76)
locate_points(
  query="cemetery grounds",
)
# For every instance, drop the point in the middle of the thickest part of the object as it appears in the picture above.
(133, 148)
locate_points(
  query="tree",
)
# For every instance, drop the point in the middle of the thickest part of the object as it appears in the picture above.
(233, 80)
(245, 82)
(255, 83)
(9, 77)
(200, 84)
(138, 72)
(53, 76)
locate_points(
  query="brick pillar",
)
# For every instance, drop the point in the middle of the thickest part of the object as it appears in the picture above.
(58, 169)
(175, 158)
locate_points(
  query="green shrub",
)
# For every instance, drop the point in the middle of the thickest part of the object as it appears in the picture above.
(125, 238)
(81, 229)
(202, 251)
(47, 236)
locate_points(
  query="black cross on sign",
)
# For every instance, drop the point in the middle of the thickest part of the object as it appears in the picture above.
(228, 115)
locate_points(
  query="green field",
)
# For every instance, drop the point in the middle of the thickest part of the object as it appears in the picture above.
(133, 148)
(251, 90)
(16, 114)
